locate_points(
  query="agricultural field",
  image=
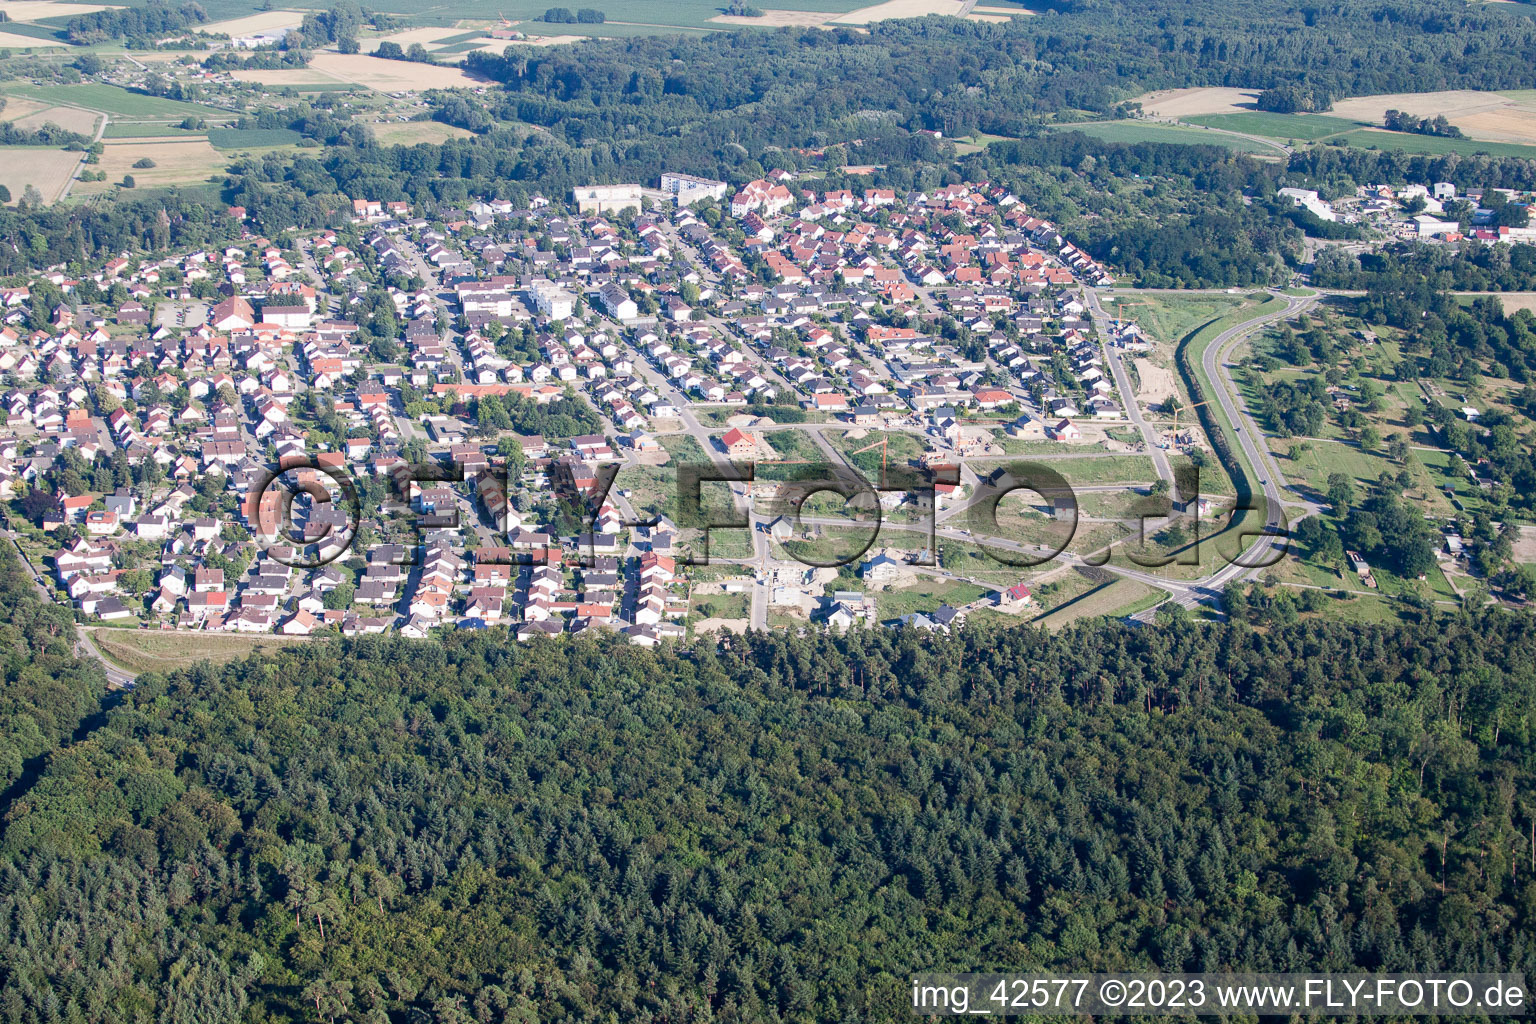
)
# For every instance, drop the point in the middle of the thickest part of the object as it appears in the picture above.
(37, 10)
(388, 75)
(49, 169)
(902, 9)
(17, 41)
(1367, 138)
(143, 650)
(178, 161)
(127, 130)
(410, 133)
(1189, 102)
(25, 113)
(1513, 302)
(252, 138)
(1148, 131)
(110, 99)
(262, 21)
(1305, 127)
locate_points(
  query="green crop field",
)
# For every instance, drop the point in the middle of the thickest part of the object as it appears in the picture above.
(1277, 126)
(252, 138)
(1143, 131)
(1367, 138)
(111, 100)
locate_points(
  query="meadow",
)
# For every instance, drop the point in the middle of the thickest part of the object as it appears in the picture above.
(1144, 131)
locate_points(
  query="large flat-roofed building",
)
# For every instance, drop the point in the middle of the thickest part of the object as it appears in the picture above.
(606, 198)
(551, 300)
(690, 189)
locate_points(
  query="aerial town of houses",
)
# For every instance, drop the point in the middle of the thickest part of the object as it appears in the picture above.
(148, 404)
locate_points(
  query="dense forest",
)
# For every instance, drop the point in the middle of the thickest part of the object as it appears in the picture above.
(781, 829)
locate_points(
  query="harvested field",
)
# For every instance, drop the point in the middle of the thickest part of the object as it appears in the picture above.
(900, 9)
(424, 36)
(390, 75)
(264, 21)
(70, 118)
(294, 77)
(778, 19)
(1420, 104)
(1508, 124)
(48, 169)
(994, 18)
(178, 161)
(31, 10)
(12, 41)
(1513, 301)
(1188, 102)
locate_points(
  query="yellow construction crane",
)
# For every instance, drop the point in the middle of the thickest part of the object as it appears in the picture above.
(1176, 413)
(878, 444)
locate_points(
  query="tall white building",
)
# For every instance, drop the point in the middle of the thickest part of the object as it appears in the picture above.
(689, 189)
(606, 198)
(551, 300)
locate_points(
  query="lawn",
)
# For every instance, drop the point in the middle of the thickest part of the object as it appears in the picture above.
(147, 650)
(684, 450)
(1119, 597)
(1168, 318)
(1106, 469)
(721, 606)
(1146, 131)
(1309, 127)
(1325, 457)
(112, 100)
(926, 596)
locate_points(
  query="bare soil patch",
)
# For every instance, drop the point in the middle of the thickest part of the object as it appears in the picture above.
(1157, 383)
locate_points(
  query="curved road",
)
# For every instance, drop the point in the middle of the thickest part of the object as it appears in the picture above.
(1260, 462)
(84, 646)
